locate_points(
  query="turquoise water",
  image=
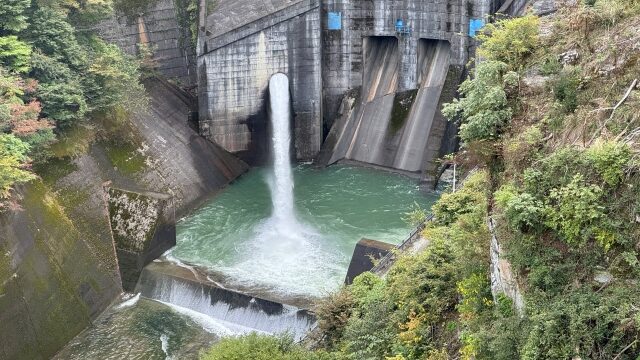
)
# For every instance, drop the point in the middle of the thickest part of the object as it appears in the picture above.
(335, 207)
(145, 330)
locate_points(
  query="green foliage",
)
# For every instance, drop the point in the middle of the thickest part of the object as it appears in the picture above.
(416, 216)
(521, 150)
(12, 15)
(133, 7)
(410, 313)
(565, 90)
(63, 102)
(14, 54)
(333, 315)
(573, 209)
(13, 163)
(484, 109)
(591, 325)
(113, 78)
(510, 40)
(524, 212)
(610, 159)
(550, 65)
(261, 347)
(54, 36)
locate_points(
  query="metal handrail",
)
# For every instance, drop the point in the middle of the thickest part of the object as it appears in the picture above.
(390, 256)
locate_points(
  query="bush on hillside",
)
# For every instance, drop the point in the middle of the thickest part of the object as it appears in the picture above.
(261, 347)
(483, 110)
(510, 41)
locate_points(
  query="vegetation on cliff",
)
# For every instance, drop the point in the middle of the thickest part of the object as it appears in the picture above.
(56, 77)
(551, 119)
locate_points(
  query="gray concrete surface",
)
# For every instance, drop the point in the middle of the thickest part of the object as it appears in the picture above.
(234, 69)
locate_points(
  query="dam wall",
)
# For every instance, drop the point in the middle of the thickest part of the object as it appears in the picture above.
(244, 44)
(159, 33)
(368, 78)
(343, 61)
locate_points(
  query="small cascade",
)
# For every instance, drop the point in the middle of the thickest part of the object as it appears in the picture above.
(238, 312)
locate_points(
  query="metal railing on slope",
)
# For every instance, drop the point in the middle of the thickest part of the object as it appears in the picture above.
(386, 261)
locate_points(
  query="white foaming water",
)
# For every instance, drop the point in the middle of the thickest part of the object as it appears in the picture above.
(129, 300)
(282, 184)
(283, 247)
(164, 343)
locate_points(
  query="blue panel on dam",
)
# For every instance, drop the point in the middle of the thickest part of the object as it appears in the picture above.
(335, 21)
(475, 25)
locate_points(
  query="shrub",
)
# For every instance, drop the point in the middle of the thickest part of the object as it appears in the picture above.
(333, 315)
(13, 163)
(63, 102)
(416, 216)
(573, 209)
(14, 54)
(510, 40)
(609, 158)
(591, 325)
(54, 36)
(12, 15)
(525, 213)
(260, 347)
(483, 110)
(565, 90)
(520, 151)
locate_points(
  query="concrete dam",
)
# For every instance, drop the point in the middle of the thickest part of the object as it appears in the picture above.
(367, 77)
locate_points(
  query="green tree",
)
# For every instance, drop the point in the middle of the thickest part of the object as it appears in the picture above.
(14, 54)
(13, 163)
(54, 36)
(63, 102)
(484, 108)
(12, 15)
(510, 40)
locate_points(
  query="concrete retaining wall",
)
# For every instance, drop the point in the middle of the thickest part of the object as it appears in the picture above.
(58, 267)
(162, 29)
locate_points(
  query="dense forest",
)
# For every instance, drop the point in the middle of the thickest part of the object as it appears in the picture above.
(59, 83)
(549, 125)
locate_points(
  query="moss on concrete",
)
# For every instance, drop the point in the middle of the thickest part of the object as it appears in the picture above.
(55, 169)
(125, 157)
(401, 108)
(133, 219)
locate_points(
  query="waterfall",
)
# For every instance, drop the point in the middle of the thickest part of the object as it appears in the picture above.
(229, 312)
(282, 187)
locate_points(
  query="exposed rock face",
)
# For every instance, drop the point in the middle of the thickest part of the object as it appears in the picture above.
(58, 266)
(503, 280)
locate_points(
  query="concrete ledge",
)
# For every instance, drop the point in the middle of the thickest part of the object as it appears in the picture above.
(143, 225)
(256, 26)
(239, 311)
(367, 251)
